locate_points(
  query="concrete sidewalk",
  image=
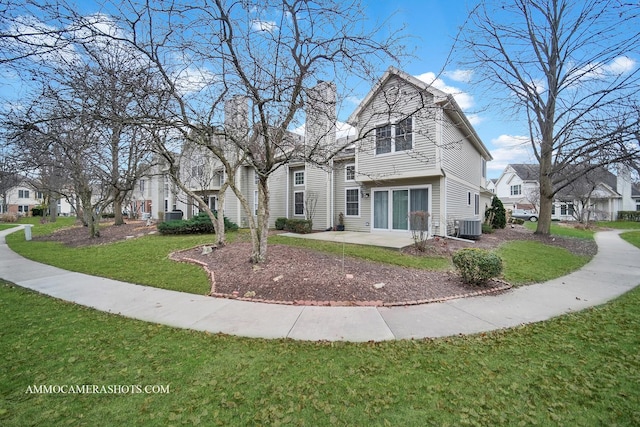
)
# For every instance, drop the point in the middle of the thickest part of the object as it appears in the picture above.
(612, 272)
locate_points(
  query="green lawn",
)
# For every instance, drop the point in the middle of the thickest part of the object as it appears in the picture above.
(7, 226)
(579, 369)
(563, 230)
(145, 260)
(528, 262)
(620, 225)
(632, 237)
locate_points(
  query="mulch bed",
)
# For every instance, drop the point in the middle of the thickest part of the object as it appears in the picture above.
(294, 275)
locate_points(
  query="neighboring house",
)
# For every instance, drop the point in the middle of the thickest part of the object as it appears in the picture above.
(24, 196)
(491, 185)
(599, 193)
(413, 150)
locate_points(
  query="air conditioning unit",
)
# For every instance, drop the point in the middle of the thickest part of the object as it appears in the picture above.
(468, 228)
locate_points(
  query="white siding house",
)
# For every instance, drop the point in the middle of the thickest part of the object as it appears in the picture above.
(411, 149)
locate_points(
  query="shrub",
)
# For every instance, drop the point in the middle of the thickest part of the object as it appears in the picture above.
(496, 215)
(280, 223)
(628, 215)
(419, 221)
(487, 229)
(38, 210)
(476, 266)
(8, 217)
(199, 224)
(301, 226)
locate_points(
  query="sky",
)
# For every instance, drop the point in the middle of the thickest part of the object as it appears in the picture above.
(432, 26)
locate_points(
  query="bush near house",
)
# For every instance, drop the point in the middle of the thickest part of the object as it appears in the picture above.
(629, 216)
(280, 223)
(301, 226)
(199, 224)
(496, 215)
(38, 210)
(477, 266)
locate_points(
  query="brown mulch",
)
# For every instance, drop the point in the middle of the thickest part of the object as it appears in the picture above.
(294, 275)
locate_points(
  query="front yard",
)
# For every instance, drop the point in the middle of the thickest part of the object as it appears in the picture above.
(579, 369)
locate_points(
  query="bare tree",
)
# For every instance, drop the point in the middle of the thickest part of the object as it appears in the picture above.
(565, 68)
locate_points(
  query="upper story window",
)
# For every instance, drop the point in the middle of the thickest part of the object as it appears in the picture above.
(395, 138)
(484, 168)
(383, 139)
(298, 178)
(141, 185)
(256, 177)
(39, 195)
(404, 135)
(197, 171)
(350, 172)
(23, 194)
(516, 190)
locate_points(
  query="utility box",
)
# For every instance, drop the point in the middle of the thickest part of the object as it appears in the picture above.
(469, 228)
(172, 216)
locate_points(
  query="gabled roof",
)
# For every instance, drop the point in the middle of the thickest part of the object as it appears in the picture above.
(526, 172)
(531, 172)
(440, 98)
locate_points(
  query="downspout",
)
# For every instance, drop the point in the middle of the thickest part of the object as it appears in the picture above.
(287, 190)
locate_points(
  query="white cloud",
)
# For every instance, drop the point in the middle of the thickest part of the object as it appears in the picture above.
(354, 100)
(192, 79)
(617, 67)
(463, 76)
(507, 149)
(463, 99)
(342, 129)
(620, 65)
(268, 26)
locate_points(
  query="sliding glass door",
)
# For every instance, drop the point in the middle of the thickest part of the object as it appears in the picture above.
(395, 215)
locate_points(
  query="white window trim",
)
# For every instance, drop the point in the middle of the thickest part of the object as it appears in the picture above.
(255, 202)
(519, 188)
(359, 202)
(468, 198)
(304, 177)
(345, 172)
(393, 137)
(294, 203)
(405, 187)
(476, 203)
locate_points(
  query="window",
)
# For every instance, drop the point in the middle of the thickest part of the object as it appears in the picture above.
(350, 173)
(256, 177)
(23, 194)
(298, 178)
(23, 209)
(394, 138)
(516, 190)
(383, 139)
(567, 209)
(638, 205)
(298, 203)
(484, 168)
(476, 198)
(553, 209)
(39, 195)
(352, 202)
(197, 171)
(255, 202)
(404, 135)
(220, 178)
(468, 198)
(141, 185)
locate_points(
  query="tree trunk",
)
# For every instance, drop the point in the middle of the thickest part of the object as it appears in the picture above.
(259, 238)
(220, 231)
(546, 190)
(53, 209)
(117, 211)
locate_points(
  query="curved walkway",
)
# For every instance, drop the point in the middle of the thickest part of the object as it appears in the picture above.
(612, 272)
